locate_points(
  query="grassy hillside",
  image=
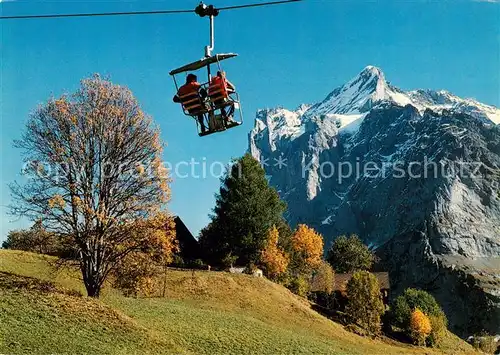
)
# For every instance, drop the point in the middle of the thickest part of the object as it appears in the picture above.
(202, 313)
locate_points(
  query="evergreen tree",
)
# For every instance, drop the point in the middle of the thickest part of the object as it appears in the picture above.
(246, 208)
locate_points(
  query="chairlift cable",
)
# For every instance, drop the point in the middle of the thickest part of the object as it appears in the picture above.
(131, 13)
(164, 12)
(255, 5)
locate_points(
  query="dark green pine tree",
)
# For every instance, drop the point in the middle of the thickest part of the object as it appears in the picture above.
(246, 208)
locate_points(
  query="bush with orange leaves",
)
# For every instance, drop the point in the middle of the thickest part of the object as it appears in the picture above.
(275, 260)
(307, 249)
(138, 272)
(420, 327)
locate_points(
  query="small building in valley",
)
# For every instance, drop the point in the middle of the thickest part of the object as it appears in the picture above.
(338, 299)
(189, 248)
(341, 281)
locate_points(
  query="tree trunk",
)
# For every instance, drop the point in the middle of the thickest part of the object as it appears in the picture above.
(164, 279)
(93, 288)
(91, 279)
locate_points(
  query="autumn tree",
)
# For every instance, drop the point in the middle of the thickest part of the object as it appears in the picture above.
(323, 279)
(273, 258)
(364, 301)
(246, 208)
(36, 239)
(349, 254)
(141, 270)
(307, 249)
(420, 327)
(94, 165)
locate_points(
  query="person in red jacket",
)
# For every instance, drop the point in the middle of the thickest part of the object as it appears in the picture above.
(191, 96)
(219, 90)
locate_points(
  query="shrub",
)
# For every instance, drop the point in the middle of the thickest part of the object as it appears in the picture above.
(438, 330)
(250, 268)
(364, 301)
(177, 261)
(353, 328)
(228, 260)
(485, 343)
(36, 240)
(299, 285)
(198, 264)
(348, 254)
(135, 275)
(412, 299)
(323, 279)
(420, 327)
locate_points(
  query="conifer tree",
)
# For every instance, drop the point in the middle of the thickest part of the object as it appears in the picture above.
(246, 208)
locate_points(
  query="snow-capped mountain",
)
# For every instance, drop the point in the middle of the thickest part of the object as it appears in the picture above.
(338, 165)
(349, 104)
(344, 109)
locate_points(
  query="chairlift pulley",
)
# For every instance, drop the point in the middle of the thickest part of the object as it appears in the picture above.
(203, 10)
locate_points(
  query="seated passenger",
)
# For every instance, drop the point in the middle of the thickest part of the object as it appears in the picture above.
(218, 91)
(191, 96)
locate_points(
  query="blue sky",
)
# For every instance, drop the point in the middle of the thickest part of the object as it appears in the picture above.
(289, 55)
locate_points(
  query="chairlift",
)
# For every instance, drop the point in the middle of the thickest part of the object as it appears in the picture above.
(218, 108)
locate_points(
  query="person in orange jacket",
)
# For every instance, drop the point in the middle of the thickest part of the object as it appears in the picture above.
(191, 96)
(219, 90)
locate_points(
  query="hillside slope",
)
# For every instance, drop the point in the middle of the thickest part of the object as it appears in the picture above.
(203, 313)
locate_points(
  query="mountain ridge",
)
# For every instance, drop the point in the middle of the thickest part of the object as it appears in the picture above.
(370, 87)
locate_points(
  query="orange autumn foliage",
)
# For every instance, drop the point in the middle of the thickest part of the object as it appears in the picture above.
(420, 326)
(137, 272)
(274, 259)
(307, 246)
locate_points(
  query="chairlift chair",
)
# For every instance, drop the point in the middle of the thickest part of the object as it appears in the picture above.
(213, 107)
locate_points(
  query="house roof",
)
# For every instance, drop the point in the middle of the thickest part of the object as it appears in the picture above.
(188, 245)
(342, 279)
